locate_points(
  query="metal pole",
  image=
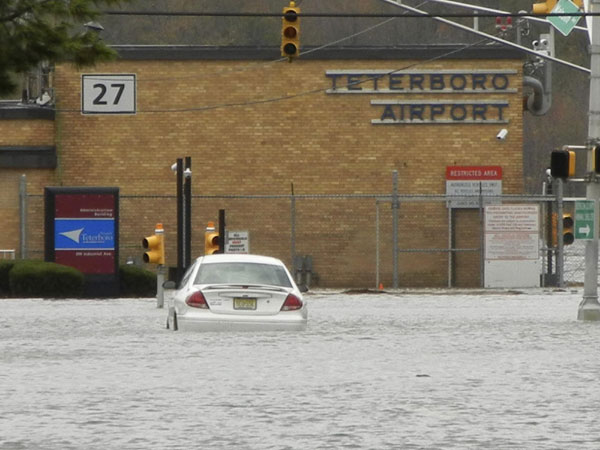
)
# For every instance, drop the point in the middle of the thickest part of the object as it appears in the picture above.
(589, 308)
(481, 239)
(450, 245)
(560, 247)
(377, 244)
(23, 211)
(187, 193)
(160, 290)
(222, 231)
(395, 211)
(180, 222)
(293, 224)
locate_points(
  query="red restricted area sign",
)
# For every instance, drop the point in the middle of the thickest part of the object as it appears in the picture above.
(472, 186)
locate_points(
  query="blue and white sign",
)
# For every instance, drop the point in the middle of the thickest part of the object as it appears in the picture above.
(78, 234)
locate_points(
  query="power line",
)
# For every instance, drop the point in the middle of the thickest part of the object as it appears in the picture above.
(296, 95)
(338, 15)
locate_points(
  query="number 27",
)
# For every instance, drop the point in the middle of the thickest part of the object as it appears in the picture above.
(100, 98)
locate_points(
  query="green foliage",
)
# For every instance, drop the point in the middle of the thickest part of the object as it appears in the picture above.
(5, 267)
(136, 282)
(30, 278)
(32, 31)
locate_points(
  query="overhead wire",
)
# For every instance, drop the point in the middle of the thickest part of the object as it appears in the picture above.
(303, 93)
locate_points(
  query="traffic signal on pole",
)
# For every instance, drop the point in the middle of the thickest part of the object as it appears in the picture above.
(562, 163)
(155, 246)
(596, 158)
(544, 8)
(290, 32)
(211, 239)
(568, 224)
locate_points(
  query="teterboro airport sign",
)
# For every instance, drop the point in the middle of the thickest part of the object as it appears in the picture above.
(394, 111)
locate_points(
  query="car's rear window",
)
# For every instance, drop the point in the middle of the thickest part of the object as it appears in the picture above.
(242, 273)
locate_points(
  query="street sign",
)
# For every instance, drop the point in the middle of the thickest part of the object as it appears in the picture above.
(564, 24)
(585, 219)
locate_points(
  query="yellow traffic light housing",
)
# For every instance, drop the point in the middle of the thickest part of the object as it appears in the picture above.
(211, 239)
(544, 8)
(568, 224)
(155, 246)
(562, 163)
(290, 32)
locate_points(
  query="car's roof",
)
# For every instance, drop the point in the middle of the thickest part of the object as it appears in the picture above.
(229, 257)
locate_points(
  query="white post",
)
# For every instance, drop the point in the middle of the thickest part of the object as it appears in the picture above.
(589, 308)
(160, 291)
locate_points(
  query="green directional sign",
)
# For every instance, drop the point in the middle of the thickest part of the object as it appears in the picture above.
(564, 24)
(585, 219)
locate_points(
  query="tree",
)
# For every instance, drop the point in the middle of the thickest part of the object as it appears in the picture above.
(33, 31)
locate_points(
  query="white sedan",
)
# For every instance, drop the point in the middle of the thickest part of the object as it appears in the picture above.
(237, 292)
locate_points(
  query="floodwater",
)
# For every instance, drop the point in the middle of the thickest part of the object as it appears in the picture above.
(433, 370)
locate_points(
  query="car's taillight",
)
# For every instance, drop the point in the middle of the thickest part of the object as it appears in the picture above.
(197, 300)
(291, 303)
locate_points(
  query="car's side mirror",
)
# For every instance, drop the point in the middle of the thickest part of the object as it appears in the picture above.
(169, 284)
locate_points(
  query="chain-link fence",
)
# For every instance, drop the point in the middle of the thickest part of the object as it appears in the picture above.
(350, 240)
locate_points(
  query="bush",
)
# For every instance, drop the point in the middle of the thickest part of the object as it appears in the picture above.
(136, 282)
(30, 278)
(5, 267)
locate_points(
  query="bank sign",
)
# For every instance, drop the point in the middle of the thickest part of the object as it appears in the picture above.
(394, 111)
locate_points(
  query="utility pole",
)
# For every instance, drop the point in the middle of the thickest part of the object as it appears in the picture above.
(589, 308)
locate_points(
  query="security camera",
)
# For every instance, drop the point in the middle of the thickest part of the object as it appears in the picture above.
(502, 134)
(543, 42)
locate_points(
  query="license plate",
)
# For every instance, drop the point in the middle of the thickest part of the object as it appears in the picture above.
(244, 303)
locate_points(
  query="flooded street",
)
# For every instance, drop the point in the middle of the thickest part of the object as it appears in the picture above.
(372, 371)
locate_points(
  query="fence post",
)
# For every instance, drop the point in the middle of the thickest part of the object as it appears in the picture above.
(395, 211)
(560, 249)
(293, 224)
(450, 245)
(23, 212)
(377, 282)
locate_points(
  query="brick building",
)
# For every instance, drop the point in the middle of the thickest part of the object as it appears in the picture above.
(333, 125)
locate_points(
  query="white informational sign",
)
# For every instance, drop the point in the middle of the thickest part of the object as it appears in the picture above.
(472, 186)
(237, 242)
(108, 94)
(512, 256)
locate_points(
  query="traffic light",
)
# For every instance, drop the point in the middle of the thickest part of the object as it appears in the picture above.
(290, 32)
(568, 223)
(544, 8)
(211, 239)
(562, 163)
(155, 246)
(596, 158)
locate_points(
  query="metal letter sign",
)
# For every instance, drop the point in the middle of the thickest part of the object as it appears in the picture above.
(585, 219)
(108, 94)
(564, 24)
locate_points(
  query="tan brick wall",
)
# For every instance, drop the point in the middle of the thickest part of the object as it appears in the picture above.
(322, 143)
(21, 133)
